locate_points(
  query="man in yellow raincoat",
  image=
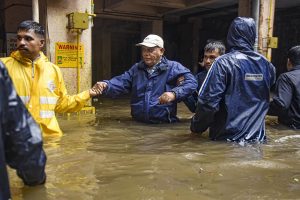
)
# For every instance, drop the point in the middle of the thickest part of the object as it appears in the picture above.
(39, 82)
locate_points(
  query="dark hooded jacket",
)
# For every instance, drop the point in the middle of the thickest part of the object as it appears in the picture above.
(146, 88)
(191, 101)
(20, 139)
(234, 98)
(286, 101)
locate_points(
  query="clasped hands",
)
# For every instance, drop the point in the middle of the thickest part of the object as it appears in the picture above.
(99, 87)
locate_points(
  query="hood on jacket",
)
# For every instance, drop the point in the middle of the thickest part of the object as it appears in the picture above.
(241, 34)
(16, 55)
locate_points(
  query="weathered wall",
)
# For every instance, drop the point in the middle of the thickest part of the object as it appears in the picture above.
(57, 22)
(53, 18)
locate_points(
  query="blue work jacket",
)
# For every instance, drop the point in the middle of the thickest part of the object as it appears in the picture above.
(234, 98)
(20, 139)
(146, 88)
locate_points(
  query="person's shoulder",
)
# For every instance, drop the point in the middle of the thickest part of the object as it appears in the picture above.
(137, 64)
(262, 58)
(225, 59)
(173, 64)
(9, 62)
(50, 67)
(55, 68)
(284, 77)
(6, 59)
(45, 60)
(289, 75)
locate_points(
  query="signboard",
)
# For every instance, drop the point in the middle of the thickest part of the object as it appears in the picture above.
(66, 54)
(11, 43)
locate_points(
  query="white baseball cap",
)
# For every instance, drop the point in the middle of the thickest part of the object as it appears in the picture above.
(152, 41)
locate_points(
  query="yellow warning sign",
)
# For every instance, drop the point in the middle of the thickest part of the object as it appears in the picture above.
(66, 54)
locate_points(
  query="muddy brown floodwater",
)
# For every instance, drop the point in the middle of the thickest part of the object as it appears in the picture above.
(109, 156)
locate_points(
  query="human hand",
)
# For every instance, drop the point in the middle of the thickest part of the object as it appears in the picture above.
(167, 97)
(93, 92)
(99, 87)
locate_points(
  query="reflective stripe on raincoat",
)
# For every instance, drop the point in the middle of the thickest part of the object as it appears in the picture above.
(41, 87)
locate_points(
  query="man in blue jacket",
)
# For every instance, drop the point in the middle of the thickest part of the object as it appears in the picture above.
(286, 101)
(212, 50)
(21, 145)
(234, 98)
(152, 83)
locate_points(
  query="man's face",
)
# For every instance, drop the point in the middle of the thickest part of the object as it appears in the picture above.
(29, 44)
(152, 55)
(209, 58)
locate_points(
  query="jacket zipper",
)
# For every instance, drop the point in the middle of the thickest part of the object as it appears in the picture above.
(32, 71)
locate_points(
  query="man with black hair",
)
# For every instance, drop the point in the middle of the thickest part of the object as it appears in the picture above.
(39, 82)
(286, 101)
(212, 50)
(21, 145)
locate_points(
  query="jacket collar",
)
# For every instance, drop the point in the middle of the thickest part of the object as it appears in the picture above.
(25, 61)
(162, 66)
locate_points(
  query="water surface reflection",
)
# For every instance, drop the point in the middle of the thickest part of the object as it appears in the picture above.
(112, 157)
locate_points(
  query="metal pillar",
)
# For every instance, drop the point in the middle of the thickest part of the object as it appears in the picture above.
(35, 11)
(255, 15)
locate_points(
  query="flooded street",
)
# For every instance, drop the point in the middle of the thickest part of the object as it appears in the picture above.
(109, 156)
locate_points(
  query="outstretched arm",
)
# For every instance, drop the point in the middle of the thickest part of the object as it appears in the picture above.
(116, 86)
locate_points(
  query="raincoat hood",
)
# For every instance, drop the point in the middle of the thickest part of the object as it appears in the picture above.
(241, 34)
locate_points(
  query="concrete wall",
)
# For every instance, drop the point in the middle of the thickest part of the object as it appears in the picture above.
(57, 22)
(53, 18)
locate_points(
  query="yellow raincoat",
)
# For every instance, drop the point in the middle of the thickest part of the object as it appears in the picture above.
(41, 87)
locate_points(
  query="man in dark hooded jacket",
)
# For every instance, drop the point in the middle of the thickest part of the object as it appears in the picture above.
(234, 98)
(286, 101)
(20, 139)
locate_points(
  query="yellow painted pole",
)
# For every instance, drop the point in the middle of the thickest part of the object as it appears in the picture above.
(270, 28)
(35, 11)
(78, 63)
